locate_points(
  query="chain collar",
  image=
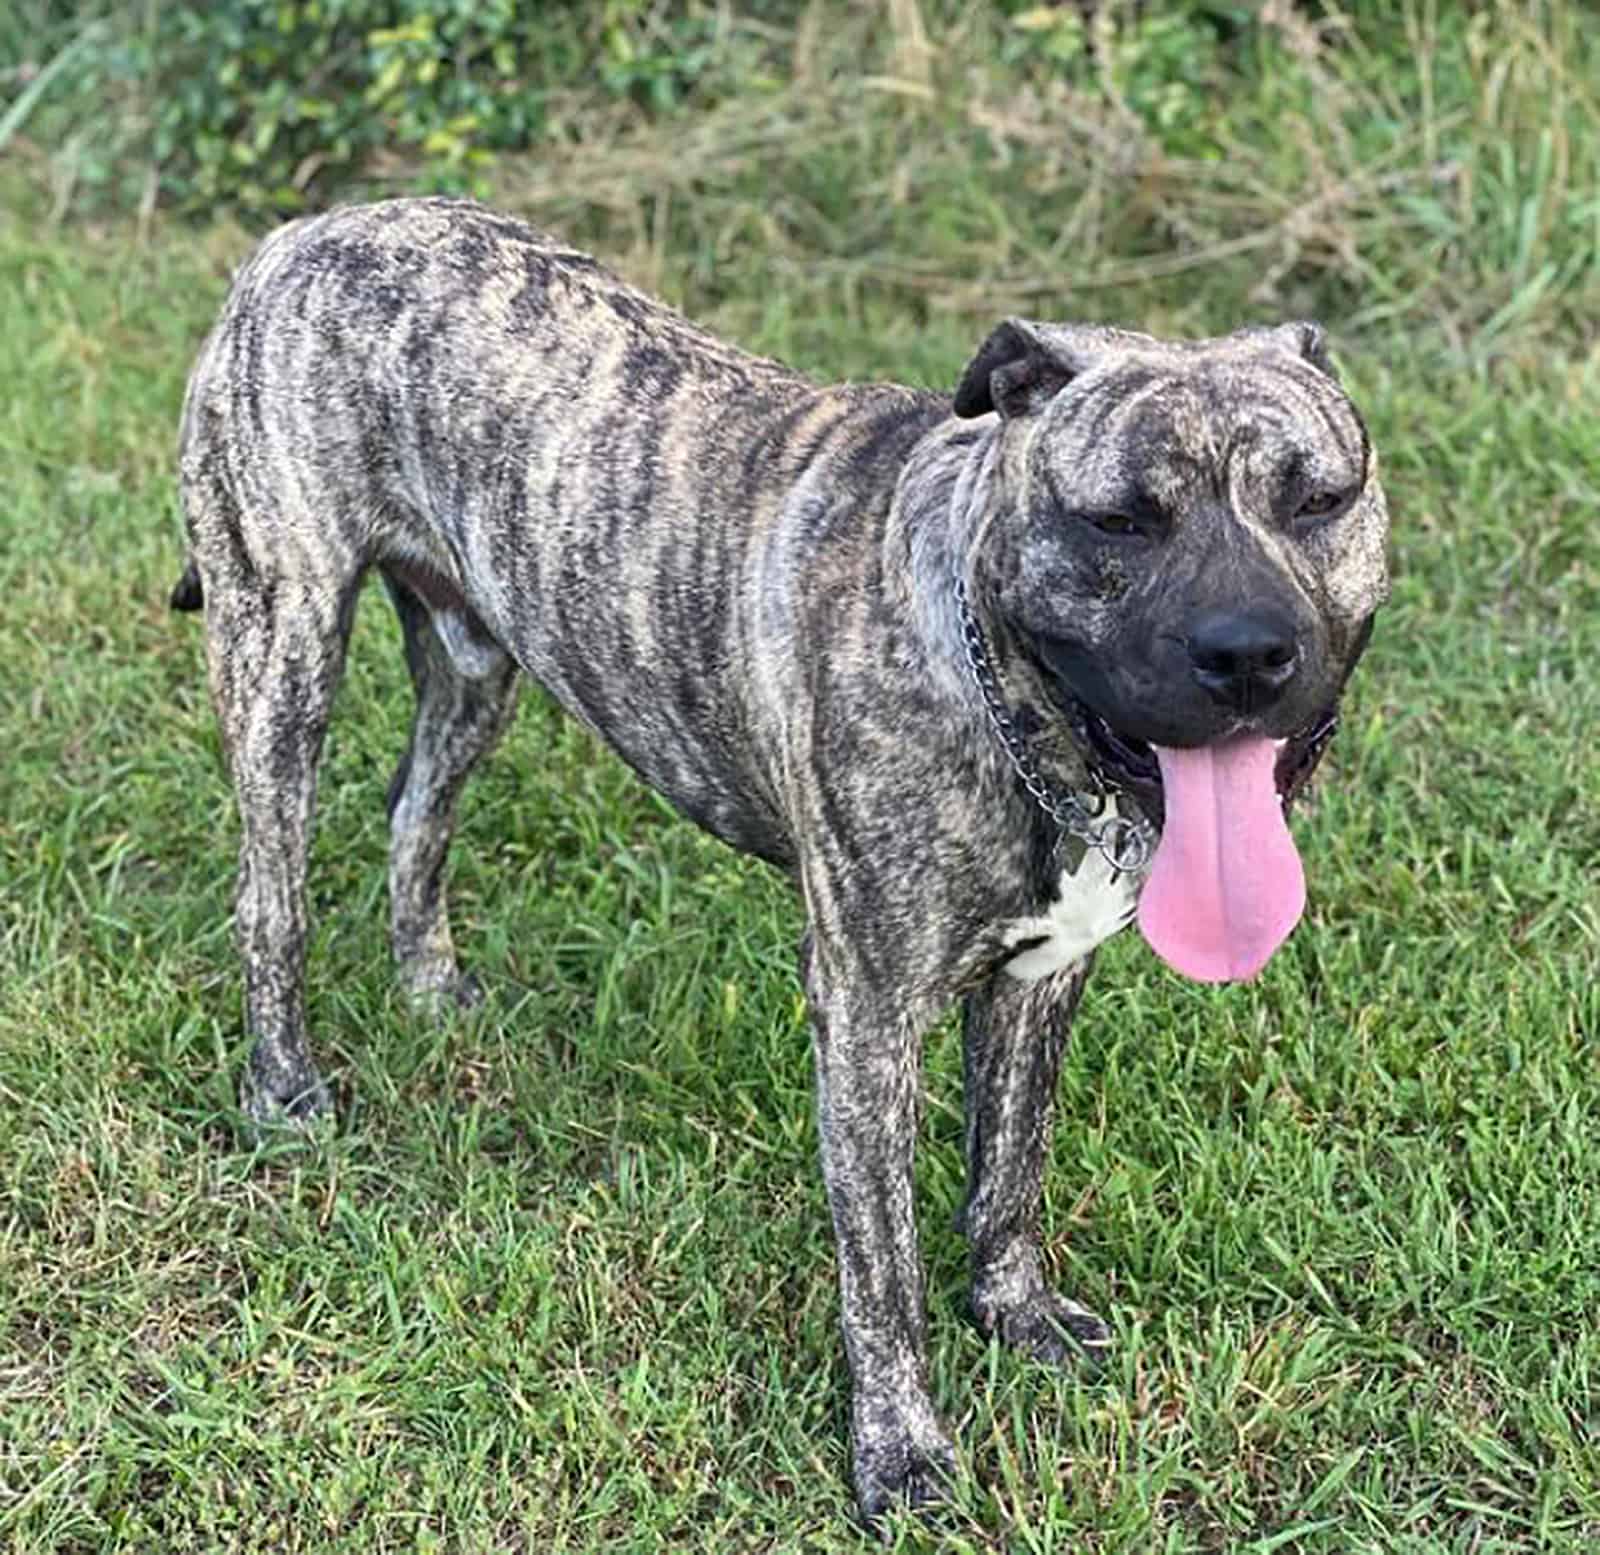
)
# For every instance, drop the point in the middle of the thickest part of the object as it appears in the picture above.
(1124, 842)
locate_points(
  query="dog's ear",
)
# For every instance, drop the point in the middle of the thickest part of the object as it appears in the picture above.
(1307, 340)
(1021, 367)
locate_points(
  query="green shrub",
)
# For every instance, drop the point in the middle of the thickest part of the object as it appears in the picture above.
(1164, 64)
(266, 104)
(269, 105)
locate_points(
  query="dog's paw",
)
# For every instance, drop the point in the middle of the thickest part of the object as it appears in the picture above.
(279, 1097)
(438, 992)
(903, 1459)
(1047, 1327)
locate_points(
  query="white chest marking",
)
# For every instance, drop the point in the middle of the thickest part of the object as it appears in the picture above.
(1090, 907)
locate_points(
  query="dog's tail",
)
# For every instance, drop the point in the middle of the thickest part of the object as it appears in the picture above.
(186, 592)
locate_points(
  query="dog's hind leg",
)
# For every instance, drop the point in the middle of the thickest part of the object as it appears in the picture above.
(1014, 1034)
(466, 690)
(275, 645)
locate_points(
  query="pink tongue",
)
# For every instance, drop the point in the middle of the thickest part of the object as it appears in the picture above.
(1226, 885)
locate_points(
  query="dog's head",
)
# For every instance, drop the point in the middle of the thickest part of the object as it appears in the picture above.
(1186, 542)
(1188, 539)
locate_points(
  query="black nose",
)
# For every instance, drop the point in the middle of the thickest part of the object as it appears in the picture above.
(1243, 658)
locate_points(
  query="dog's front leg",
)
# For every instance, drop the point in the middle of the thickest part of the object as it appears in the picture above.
(1014, 1034)
(868, 1047)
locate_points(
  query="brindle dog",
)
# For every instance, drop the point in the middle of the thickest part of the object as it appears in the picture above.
(891, 643)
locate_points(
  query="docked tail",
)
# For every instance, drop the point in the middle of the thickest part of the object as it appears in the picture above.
(186, 592)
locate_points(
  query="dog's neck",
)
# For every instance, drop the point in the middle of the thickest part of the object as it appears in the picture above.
(929, 543)
(933, 541)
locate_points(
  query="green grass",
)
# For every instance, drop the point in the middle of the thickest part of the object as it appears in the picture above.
(561, 1277)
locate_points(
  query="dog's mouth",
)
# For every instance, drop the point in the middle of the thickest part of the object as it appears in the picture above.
(1124, 761)
(1225, 886)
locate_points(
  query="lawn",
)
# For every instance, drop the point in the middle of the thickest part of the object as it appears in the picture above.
(560, 1278)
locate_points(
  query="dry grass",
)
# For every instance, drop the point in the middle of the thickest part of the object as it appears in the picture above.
(1452, 196)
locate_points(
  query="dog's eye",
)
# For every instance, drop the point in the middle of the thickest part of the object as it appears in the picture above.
(1321, 503)
(1114, 523)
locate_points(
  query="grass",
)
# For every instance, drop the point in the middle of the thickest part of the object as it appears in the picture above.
(561, 1279)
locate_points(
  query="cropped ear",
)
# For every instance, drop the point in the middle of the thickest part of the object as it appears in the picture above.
(1307, 340)
(1022, 366)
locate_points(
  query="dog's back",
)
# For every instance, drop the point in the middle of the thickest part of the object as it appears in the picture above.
(552, 463)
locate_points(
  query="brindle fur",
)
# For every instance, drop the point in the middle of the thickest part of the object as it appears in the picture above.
(744, 583)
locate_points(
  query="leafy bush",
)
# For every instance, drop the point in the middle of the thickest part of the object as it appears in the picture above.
(265, 104)
(269, 106)
(1163, 64)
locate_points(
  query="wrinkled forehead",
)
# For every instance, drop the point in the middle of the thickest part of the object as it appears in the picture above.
(1212, 418)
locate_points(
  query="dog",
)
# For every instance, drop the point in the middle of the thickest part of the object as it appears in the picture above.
(988, 676)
